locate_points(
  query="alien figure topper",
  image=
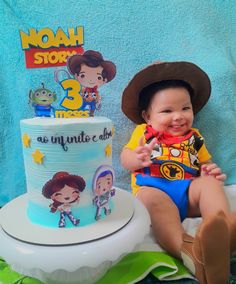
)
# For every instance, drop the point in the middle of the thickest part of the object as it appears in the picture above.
(41, 100)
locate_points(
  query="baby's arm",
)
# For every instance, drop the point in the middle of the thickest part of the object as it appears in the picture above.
(139, 157)
(212, 169)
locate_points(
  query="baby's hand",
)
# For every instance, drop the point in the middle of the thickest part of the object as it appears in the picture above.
(213, 170)
(144, 151)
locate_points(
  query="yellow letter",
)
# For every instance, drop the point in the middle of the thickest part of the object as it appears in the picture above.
(46, 38)
(73, 100)
(53, 57)
(38, 59)
(27, 40)
(60, 114)
(76, 39)
(61, 38)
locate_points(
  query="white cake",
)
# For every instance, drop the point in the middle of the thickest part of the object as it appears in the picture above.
(68, 167)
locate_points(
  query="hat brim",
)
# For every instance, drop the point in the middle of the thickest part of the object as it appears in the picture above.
(161, 71)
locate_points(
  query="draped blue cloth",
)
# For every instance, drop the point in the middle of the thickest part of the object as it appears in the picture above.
(131, 34)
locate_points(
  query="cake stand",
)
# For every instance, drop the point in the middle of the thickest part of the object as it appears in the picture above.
(81, 262)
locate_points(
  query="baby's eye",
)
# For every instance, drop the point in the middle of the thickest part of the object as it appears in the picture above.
(58, 194)
(82, 75)
(186, 108)
(166, 111)
(99, 78)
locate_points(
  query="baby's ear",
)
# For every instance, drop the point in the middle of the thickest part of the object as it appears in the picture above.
(145, 116)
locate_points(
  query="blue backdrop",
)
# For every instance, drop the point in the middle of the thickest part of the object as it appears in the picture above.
(132, 34)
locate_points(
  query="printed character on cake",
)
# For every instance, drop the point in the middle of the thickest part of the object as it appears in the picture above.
(41, 100)
(64, 190)
(103, 190)
(91, 71)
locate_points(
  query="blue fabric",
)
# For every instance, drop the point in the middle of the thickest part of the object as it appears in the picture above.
(131, 34)
(177, 190)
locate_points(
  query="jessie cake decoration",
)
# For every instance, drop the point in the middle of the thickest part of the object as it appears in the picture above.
(64, 190)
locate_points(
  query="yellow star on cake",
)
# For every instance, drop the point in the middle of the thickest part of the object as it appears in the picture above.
(26, 140)
(38, 157)
(108, 150)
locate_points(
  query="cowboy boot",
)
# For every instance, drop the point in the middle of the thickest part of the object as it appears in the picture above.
(207, 255)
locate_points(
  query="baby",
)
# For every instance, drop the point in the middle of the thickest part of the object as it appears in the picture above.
(172, 171)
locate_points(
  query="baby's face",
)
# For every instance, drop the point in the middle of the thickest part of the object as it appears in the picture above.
(170, 111)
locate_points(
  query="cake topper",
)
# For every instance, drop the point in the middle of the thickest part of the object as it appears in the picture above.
(90, 72)
(42, 99)
(103, 190)
(64, 190)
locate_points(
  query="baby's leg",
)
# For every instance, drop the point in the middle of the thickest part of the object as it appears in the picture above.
(165, 219)
(207, 197)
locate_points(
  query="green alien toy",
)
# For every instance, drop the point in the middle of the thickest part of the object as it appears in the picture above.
(42, 100)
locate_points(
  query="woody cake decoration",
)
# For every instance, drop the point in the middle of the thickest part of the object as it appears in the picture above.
(89, 72)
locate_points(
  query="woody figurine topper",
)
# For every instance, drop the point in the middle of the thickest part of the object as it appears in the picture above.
(91, 71)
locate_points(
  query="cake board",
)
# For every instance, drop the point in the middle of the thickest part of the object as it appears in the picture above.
(83, 262)
(15, 222)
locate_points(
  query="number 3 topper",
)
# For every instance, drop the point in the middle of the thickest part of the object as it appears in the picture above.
(73, 99)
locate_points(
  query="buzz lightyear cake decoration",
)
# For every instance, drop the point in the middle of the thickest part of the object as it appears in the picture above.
(103, 190)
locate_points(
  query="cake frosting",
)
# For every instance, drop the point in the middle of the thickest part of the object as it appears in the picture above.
(68, 167)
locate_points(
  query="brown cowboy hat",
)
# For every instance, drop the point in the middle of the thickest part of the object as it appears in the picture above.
(91, 58)
(62, 177)
(161, 71)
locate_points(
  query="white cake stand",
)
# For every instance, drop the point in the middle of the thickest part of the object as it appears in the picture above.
(74, 263)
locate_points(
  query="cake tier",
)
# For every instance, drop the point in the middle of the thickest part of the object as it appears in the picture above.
(65, 162)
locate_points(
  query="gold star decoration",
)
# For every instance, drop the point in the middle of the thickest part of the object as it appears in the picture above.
(38, 157)
(26, 140)
(108, 150)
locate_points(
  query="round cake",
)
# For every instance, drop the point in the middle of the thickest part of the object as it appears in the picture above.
(68, 167)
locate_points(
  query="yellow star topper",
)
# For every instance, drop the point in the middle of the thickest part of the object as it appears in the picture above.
(26, 140)
(108, 150)
(38, 157)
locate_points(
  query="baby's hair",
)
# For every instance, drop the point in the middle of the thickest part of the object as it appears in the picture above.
(148, 92)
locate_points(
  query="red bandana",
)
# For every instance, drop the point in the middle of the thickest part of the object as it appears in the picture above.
(165, 138)
(91, 90)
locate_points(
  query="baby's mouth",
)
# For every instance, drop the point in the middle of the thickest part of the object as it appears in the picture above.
(177, 126)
